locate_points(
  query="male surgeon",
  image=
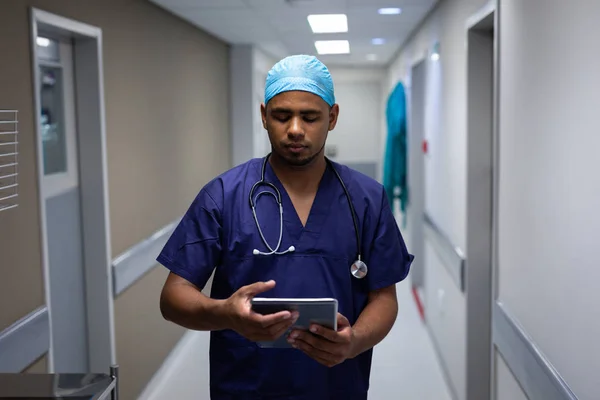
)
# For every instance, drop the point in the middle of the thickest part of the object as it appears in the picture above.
(306, 251)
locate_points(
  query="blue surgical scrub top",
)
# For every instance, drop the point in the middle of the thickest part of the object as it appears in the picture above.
(218, 233)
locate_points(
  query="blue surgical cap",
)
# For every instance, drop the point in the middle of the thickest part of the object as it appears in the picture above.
(300, 72)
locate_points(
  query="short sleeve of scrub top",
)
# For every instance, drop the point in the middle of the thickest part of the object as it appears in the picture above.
(194, 248)
(389, 260)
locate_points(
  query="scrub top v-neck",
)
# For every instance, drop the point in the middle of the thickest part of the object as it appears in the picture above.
(318, 213)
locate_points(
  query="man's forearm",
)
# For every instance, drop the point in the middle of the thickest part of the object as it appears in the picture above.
(376, 320)
(185, 305)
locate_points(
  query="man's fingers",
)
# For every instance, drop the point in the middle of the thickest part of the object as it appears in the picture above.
(273, 331)
(330, 334)
(325, 333)
(277, 330)
(315, 342)
(319, 355)
(284, 325)
(342, 322)
(257, 288)
(267, 321)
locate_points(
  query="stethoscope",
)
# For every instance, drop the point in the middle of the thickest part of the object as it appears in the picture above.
(358, 269)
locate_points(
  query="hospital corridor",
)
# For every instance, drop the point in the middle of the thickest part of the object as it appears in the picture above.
(299, 199)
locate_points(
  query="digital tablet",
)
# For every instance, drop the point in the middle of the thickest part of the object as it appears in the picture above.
(310, 311)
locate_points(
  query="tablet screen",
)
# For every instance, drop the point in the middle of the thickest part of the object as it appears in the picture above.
(322, 311)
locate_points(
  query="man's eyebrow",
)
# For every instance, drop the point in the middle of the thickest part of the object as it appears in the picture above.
(283, 110)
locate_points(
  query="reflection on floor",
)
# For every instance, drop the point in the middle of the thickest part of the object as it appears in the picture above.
(405, 366)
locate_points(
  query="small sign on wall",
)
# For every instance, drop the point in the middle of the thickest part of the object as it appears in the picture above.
(9, 163)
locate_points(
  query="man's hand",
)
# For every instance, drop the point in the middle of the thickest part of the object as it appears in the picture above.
(254, 326)
(324, 345)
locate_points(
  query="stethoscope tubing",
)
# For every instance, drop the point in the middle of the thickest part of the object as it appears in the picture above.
(277, 195)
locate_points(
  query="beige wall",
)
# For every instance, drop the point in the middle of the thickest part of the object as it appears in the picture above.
(143, 337)
(21, 284)
(166, 98)
(38, 367)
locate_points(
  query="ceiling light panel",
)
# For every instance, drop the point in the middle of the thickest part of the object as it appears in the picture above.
(328, 23)
(389, 11)
(332, 46)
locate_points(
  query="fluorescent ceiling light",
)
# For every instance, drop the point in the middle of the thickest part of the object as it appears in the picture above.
(378, 41)
(328, 23)
(42, 41)
(389, 11)
(332, 46)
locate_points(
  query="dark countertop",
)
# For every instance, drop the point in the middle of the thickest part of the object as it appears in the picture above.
(54, 386)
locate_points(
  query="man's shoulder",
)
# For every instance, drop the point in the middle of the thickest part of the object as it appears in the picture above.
(240, 172)
(232, 179)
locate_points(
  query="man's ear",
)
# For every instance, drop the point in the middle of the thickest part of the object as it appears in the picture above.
(263, 114)
(334, 112)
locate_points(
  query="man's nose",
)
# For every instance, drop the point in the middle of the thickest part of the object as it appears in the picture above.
(295, 127)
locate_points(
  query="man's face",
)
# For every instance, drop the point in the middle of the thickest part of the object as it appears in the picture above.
(298, 123)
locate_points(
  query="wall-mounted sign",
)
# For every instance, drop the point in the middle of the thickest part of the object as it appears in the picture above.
(9, 150)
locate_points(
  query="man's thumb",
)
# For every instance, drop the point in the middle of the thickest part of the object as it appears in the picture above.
(259, 287)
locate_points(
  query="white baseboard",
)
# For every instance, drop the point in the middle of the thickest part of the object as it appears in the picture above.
(184, 374)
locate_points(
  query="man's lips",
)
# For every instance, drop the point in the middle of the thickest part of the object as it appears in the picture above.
(295, 147)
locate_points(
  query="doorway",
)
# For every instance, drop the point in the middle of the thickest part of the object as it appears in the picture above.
(71, 157)
(61, 195)
(481, 69)
(416, 177)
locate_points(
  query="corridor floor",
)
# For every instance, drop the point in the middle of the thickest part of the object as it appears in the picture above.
(405, 366)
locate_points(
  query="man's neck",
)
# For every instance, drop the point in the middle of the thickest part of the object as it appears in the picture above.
(304, 179)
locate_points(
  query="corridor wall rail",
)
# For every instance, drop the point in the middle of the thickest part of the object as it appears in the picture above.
(139, 259)
(25, 341)
(453, 257)
(536, 375)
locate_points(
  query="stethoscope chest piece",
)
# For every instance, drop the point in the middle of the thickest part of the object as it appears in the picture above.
(359, 269)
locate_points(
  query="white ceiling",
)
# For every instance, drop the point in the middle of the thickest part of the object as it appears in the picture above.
(280, 27)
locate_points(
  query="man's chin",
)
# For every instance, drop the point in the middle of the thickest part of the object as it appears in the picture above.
(298, 160)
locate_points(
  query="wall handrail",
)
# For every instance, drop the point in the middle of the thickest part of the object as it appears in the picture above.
(136, 261)
(538, 378)
(453, 257)
(25, 341)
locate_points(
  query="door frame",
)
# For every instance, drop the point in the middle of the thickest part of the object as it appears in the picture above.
(482, 136)
(419, 202)
(93, 184)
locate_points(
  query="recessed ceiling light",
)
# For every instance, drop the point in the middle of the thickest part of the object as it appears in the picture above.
(389, 11)
(328, 23)
(42, 41)
(371, 57)
(332, 46)
(378, 41)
